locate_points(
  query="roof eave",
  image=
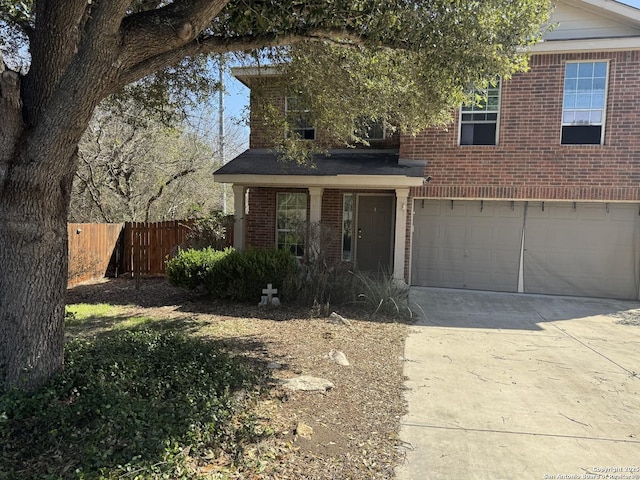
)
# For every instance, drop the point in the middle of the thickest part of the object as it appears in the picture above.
(327, 181)
(587, 45)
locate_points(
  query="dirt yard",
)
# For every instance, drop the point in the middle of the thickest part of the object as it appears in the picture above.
(353, 426)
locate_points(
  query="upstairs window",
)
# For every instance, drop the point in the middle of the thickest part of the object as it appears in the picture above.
(479, 121)
(370, 130)
(585, 87)
(291, 215)
(298, 115)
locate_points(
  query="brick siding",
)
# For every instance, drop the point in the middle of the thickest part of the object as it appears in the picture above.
(529, 162)
(263, 135)
(261, 219)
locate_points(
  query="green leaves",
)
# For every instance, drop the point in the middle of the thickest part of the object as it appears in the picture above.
(408, 64)
(232, 274)
(145, 402)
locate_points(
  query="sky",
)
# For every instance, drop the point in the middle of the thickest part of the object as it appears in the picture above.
(236, 100)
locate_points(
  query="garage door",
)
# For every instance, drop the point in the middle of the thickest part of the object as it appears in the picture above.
(464, 244)
(565, 249)
(581, 249)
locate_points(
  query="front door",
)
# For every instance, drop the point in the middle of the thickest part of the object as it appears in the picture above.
(374, 233)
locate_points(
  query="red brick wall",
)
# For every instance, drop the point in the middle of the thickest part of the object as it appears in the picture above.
(262, 135)
(261, 220)
(529, 162)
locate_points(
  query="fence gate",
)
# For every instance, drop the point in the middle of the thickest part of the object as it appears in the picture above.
(147, 245)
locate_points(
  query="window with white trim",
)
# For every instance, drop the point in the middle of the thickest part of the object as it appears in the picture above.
(479, 121)
(298, 116)
(583, 103)
(291, 215)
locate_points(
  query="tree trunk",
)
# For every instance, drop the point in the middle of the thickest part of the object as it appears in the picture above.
(34, 201)
(33, 278)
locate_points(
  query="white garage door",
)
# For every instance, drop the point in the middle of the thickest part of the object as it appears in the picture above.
(467, 244)
(582, 249)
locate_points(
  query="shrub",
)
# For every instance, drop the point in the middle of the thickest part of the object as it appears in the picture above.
(232, 274)
(129, 402)
(209, 231)
(383, 294)
(186, 269)
(325, 286)
(242, 275)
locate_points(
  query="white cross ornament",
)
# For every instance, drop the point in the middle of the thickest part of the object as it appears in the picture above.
(269, 292)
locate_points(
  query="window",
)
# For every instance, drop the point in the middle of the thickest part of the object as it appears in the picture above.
(585, 86)
(291, 214)
(347, 227)
(370, 129)
(479, 121)
(298, 115)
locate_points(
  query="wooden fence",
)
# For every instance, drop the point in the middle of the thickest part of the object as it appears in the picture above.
(93, 250)
(97, 250)
(147, 245)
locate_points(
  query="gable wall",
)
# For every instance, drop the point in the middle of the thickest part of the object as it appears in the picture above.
(263, 136)
(529, 162)
(571, 20)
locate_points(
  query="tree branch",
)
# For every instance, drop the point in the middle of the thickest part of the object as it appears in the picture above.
(157, 195)
(154, 32)
(214, 44)
(11, 113)
(54, 42)
(92, 188)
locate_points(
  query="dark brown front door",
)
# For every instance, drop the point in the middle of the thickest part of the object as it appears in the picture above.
(374, 233)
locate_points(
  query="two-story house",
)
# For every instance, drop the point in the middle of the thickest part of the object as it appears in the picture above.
(538, 192)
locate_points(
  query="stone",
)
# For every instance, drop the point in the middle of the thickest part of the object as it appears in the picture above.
(275, 301)
(263, 301)
(274, 366)
(339, 358)
(307, 383)
(339, 319)
(303, 430)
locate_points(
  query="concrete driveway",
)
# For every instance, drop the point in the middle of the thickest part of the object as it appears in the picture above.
(509, 386)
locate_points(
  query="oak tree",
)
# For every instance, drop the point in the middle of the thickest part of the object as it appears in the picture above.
(413, 55)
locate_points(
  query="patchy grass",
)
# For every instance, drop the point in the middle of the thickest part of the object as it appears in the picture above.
(135, 323)
(132, 402)
(85, 311)
(143, 409)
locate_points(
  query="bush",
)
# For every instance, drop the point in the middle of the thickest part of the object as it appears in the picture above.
(130, 402)
(323, 287)
(232, 274)
(185, 270)
(383, 294)
(209, 231)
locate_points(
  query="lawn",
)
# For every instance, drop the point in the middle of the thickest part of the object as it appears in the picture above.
(160, 383)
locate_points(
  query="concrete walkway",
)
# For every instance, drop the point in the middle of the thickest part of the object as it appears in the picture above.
(508, 386)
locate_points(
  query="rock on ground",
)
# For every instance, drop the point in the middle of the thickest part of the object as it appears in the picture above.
(308, 383)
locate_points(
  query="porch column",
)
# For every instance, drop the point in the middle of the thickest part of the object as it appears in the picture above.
(238, 216)
(315, 215)
(402, 205)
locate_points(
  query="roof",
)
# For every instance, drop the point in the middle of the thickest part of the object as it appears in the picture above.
(367, 168)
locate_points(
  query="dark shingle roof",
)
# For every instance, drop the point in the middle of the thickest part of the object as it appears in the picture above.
(336, 162)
